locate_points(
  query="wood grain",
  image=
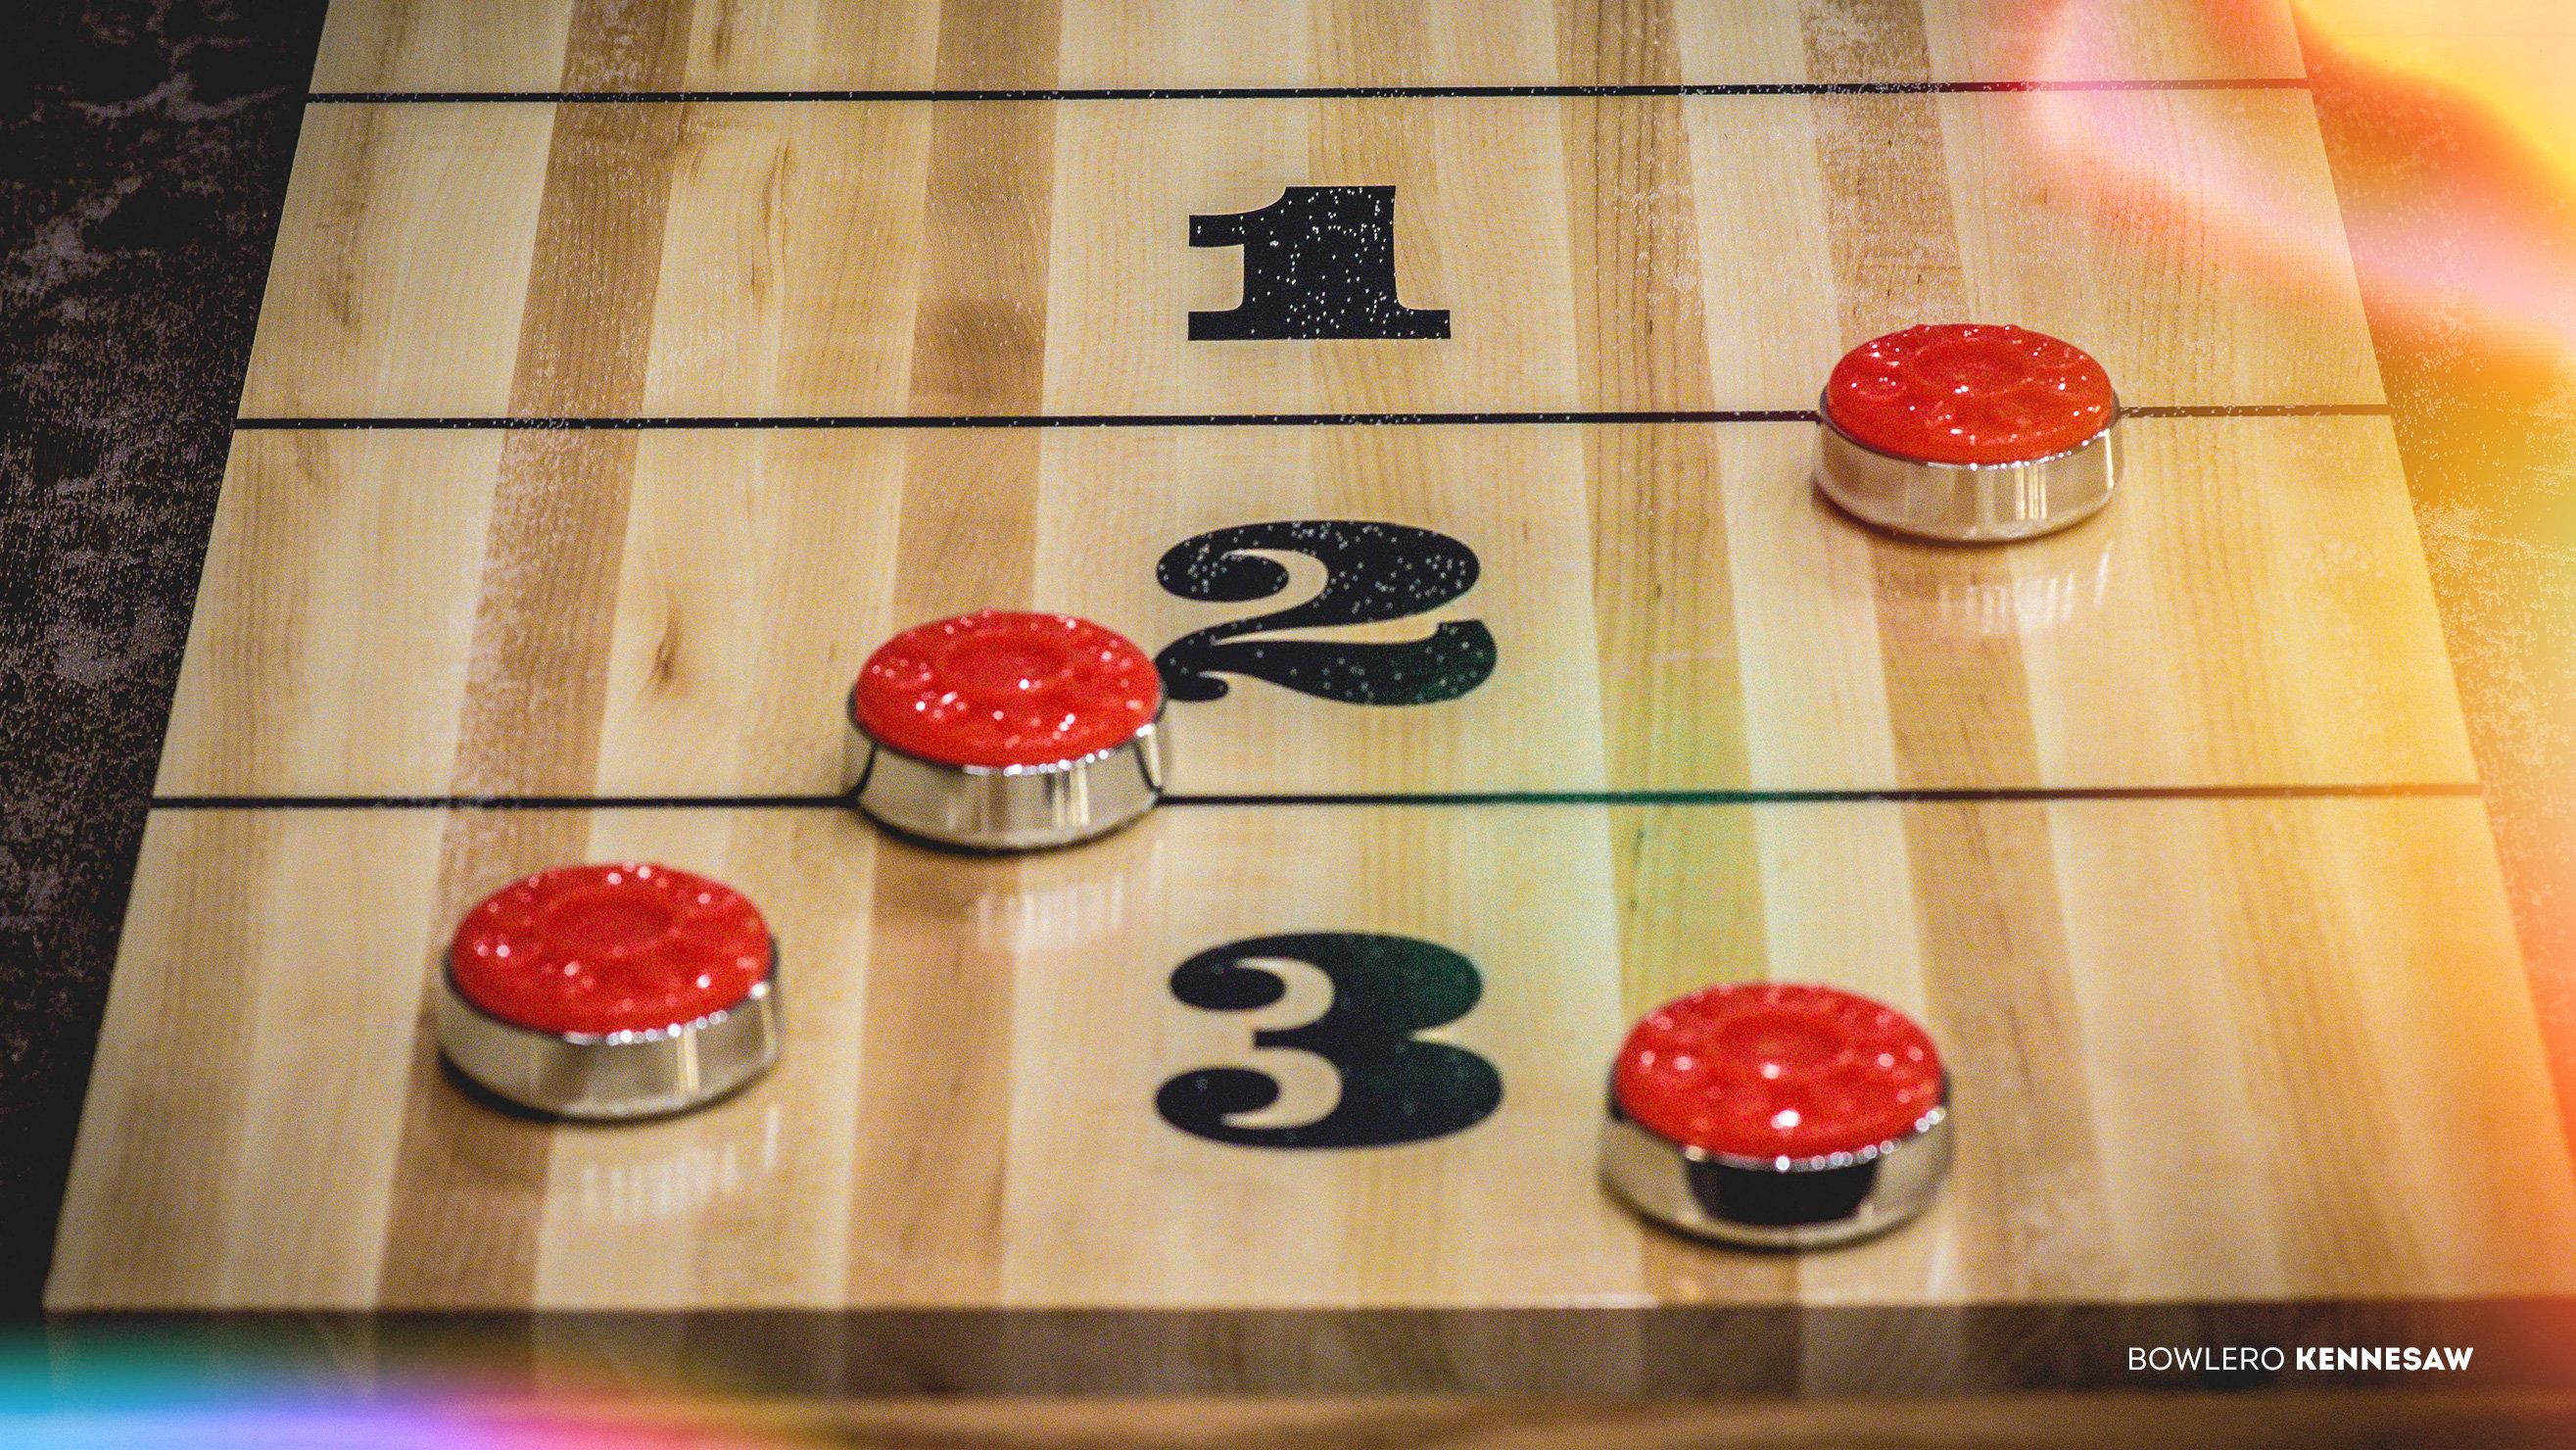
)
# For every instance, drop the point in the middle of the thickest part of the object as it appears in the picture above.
(1487, 216)
(2312, 1419)
(2251, 611)
(2365, 1079)
(2254, 1067)
(771, 44)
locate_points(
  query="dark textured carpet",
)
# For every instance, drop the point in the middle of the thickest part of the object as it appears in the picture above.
(143, 154)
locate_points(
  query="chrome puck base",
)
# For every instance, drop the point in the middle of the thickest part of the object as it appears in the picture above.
(1967, 503)
(1009, 808)
(617, 1075)
(1776, 1203)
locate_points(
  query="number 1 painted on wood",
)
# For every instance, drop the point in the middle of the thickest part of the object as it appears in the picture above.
(1319, 262)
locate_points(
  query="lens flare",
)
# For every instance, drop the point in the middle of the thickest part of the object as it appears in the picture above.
(2458, 193)
(110, 1391)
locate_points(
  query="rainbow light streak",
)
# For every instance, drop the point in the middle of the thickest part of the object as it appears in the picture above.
(244, 1421)
(124, 1399)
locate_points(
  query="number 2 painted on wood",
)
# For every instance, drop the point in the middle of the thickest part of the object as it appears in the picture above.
(1373, 572)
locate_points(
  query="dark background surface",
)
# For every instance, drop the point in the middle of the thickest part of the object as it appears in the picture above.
(143, 154)
(144, 151)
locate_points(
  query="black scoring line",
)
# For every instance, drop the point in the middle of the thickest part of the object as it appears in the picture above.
(1559, 417)
(2368, 790)
(1301, 93)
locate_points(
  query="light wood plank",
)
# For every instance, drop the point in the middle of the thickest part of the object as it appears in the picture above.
(768, 304)
(824, 44)
(400, 227)
(2312, 1074)
(2252, 610)
(263, 1040)
(331, 652)
(443, 45)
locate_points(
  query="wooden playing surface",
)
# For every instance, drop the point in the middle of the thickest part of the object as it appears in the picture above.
(2166, 826)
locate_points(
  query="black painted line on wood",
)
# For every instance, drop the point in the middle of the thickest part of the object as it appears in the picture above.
(1034, 420)
(493, 802)
(1912, 796)
(1207, 420)
(2256, 410)
(1302, 93)
(1893, 795)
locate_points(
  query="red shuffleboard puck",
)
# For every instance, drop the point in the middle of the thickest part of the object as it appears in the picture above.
(611, 991)
(1778, 1115)
(1007, 731)
(1969, 433)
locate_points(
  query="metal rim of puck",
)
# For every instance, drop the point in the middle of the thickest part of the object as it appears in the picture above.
(1981, 495)
(607, 1065)
(1019, 795)
(1852, 1190)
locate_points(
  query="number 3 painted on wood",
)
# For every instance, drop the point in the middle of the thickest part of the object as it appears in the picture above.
(1395, 1088)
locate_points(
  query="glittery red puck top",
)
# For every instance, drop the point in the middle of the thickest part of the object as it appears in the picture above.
(1969, 393)
(1772, 1070)
(618, 948)
(999, 689)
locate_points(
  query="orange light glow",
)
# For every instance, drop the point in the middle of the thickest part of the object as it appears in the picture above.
(2473, 211)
